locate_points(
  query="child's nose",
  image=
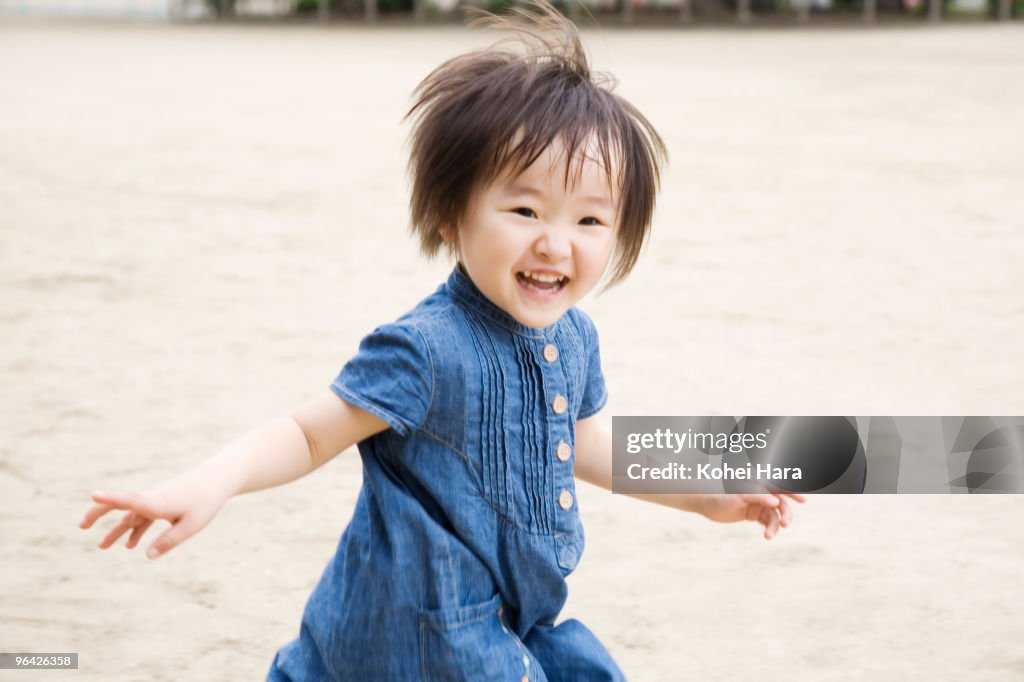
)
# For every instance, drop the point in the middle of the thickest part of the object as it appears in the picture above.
(554, 245)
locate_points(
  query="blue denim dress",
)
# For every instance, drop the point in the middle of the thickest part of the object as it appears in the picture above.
(453, 566)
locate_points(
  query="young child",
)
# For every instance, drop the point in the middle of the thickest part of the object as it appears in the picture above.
(474, 411)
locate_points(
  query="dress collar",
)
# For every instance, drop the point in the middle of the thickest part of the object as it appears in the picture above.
(462, 289)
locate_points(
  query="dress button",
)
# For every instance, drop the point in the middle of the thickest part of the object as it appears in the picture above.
(565, 499)
(564, 452)
(559, 404)
(551, 352)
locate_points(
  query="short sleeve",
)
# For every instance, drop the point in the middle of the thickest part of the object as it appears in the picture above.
(595, 394)
(391, 377)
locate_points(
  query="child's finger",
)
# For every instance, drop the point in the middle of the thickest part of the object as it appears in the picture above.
(171, 538)
(117, 531)
(94, 512)
(138, 533)
(129, 500)
(799, 497)
(785, 512)
(763, 499)
(770, 519)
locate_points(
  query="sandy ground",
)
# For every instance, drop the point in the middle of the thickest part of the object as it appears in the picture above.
(198, 224)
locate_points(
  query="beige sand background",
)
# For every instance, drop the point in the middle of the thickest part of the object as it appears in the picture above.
(199, 223)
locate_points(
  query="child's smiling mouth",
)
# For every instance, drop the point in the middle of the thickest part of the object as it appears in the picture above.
(540, 283)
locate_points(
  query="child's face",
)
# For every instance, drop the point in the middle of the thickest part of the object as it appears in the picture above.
(535, 248)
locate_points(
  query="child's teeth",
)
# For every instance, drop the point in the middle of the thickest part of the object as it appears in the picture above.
(543, 278)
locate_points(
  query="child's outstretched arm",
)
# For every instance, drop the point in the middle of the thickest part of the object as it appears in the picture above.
(277, 452)
(594, 465)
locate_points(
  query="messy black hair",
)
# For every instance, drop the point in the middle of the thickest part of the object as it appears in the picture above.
(494, 111)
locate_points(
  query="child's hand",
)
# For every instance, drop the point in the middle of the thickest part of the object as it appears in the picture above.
(185, 501)
(770, 510)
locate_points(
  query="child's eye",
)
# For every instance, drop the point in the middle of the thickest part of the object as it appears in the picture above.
(596, 221)
(525, 212)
